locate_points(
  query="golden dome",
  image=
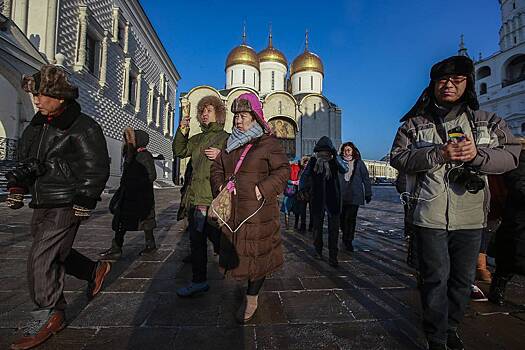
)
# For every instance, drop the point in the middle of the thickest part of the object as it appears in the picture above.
(307, 61)
(242, 54)
(271, 54)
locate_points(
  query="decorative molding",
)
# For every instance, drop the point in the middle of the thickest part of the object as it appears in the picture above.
(104, 59)
(6, 11)
(138, 92)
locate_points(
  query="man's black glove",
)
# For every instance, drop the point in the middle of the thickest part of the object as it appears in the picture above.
(368, 199)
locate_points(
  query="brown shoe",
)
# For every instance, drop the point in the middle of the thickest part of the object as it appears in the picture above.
(95, 286)
(247, 309)
(40, 330)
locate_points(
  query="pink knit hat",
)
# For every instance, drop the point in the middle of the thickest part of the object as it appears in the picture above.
(249, 102)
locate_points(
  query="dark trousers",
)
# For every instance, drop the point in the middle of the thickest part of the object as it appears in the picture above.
(348, 222)
(51, 257)
(300, 215)
(333, 234)
(447, 263)
(200, 231)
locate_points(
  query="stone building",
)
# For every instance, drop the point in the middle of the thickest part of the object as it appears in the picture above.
(500, 78)
(113, 54)
(292, 96)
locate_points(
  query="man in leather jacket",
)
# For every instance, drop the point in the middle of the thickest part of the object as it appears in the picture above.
(64, 165)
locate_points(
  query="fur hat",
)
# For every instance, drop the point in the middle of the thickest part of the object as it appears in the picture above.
(454, 65)
(249, 102)
(220, 110)
(50, 81)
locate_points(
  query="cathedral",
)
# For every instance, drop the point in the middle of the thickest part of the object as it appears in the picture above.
(291, 95)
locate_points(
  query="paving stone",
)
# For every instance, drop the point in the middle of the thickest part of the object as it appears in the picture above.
(133, 339)
(204, 338)
(314, 307)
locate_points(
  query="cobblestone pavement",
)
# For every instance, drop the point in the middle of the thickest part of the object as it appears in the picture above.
(369, 302)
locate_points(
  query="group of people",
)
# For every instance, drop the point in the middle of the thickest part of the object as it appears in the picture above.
(444, 150)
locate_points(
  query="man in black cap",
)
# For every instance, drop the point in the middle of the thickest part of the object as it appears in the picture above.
(446, 146)
(64, 165)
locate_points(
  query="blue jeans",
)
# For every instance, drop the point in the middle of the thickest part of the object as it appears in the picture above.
(447, 263)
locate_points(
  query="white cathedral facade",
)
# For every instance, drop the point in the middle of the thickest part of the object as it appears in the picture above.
(500, 78)
(292, 96)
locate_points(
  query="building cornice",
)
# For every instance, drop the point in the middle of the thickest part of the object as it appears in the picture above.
(134, 10)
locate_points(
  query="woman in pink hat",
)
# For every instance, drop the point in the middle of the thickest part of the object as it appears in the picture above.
(251, 247)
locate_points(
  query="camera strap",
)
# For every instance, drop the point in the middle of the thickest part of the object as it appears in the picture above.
(473, 128)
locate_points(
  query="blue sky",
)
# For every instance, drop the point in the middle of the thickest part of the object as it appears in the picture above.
(377, 54)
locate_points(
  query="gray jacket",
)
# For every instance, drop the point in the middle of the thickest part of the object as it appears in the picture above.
(359, 187)
(434, 201)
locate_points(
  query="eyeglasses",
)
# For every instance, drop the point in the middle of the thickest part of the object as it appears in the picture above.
(454, 79)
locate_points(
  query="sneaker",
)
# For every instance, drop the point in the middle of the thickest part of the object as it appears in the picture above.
(454, 341)
(40, 329)
(193, 289)
(477, 294)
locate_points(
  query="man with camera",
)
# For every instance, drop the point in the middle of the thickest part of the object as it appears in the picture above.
(446, 146)
(64, 165)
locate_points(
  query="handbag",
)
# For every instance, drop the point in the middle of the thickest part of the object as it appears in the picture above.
(116, 200)
(221, 206)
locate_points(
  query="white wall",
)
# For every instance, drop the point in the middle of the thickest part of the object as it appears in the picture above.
(9, 110)
(306, 83)
(266, 77)
(251, 75)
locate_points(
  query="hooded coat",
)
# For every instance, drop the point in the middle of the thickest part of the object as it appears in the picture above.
(257, 247)
(325, 193)
(136, 209)
(212, 135)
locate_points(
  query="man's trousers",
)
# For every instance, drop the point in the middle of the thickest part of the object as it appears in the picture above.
(51, 256)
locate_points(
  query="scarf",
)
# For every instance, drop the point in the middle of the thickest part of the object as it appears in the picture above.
(350, 162)
(239, 138)
(323, 164)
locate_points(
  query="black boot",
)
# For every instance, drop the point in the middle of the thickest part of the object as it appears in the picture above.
(150, 245)
(454, 341)
(497, 289)
(113, 253)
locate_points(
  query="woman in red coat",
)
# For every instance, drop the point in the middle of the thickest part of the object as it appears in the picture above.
(255, 250)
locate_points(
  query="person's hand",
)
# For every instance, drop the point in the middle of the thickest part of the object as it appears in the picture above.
(15, 200)
(258, 194)
(81, 212)
(368, 199)
(468, 150)
(185, 125)
(212, 153)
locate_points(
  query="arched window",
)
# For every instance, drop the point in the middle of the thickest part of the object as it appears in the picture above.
(273, 80)
(482, 88)
(231, 77)
(483, 72)
(299, 83)
(312, 82)
(515, 71)
(243, 76)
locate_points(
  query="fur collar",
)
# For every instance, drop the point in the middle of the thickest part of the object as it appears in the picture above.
(62, 121)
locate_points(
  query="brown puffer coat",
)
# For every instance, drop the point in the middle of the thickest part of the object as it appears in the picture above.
(256, 247)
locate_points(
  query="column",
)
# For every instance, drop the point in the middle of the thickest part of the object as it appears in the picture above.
(125, 90)
(139, 92)
(126, 38)
(7, 8)
(51, 29)
(104, 60)
(81, 49)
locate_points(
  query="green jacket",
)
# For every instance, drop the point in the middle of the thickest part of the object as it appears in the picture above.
(212, 135)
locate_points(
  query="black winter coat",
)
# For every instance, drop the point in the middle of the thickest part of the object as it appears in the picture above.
(510, 237)
(136, 210)
(62, 162)
(325, 194)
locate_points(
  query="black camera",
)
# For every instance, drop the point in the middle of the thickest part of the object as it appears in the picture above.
(26, 172)
(468, 178)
